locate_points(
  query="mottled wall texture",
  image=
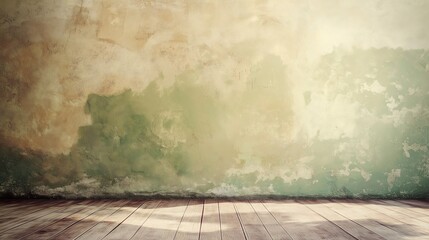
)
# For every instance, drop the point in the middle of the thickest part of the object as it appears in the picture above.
(214, 98)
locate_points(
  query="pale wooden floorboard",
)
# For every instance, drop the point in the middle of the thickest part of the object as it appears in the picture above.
(302, 223)
(231, 227)
(421, 211)
(128, 228)
(210, 226)
(30, 227)
(404, 228)
(190, 225)
(342, 222)
(87, 223)
(367, 219)
(108, 224)
(276, 231)
(164, 221)
(404, 210)
(252, 225)
(62, 224)
(39, 212)
(197, 219)
(413, 224)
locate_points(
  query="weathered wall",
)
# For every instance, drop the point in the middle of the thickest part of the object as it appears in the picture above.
(296, 98)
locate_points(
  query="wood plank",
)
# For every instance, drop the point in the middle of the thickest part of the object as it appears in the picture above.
(342, 222)
(16, 204)
(39, 223)
(364, 219)
(6, 203)
(406, 206)
(58, 226)
(404, 209)
(210, 219)
(41, 211)
(164, 221)
(252, 225)
(18, 209)
(131, 225)
(283, 212)
(19, 205)
(20, 212)
(87, 223)
(105, 226)
(210, 224)
(190, 225)
(231, 227)
(402, 228)
(275, 230)
(302, 223)
(417, 203)
(414, 225)
(10, 206)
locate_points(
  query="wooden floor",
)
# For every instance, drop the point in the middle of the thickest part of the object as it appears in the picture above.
(213, 219)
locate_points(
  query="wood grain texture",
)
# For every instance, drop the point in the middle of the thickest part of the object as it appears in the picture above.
(164, 221)
(27, 229)
(87, 223)
(210, 225)
(109, 223)
(302, 223)
(275, 230)
(190, 225)
(364, 219)
(181, 219)
(342, 222)
(231, 227)
(403, 228)
(252, 225)
(62, 224)
(413, 224)
(131, 225)
(35, 213)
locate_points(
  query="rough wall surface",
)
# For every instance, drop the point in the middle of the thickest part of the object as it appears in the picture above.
(226, 98)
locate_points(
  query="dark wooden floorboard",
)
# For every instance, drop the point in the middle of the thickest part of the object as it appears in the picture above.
(12, 211)
(89, 222)
(197, 219)
(417, 203)
(35, 212)
(30, 227)
(12, 208)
